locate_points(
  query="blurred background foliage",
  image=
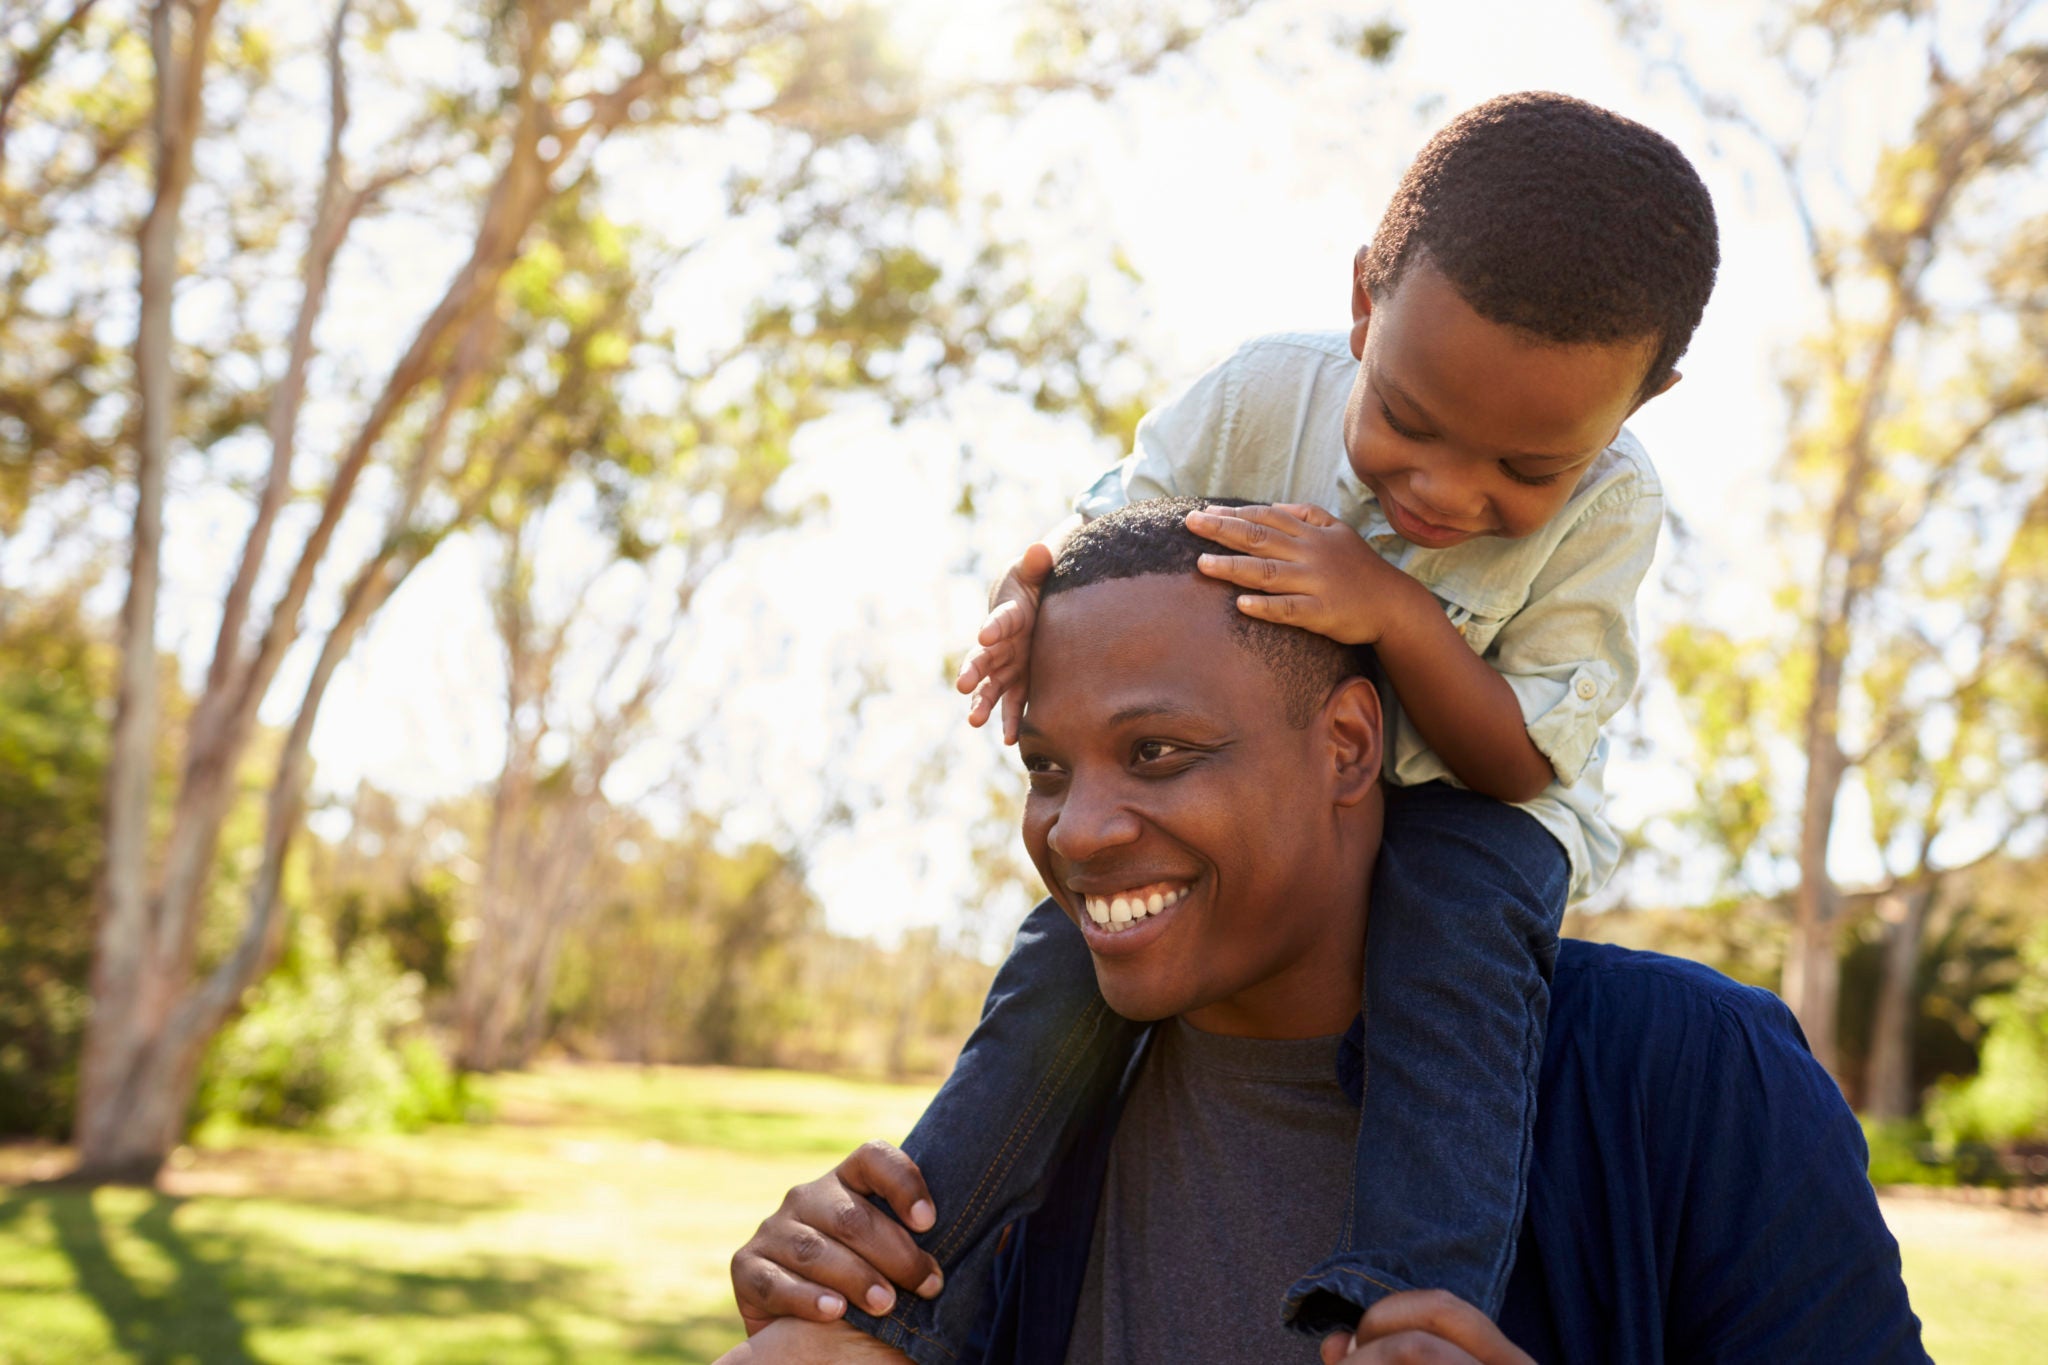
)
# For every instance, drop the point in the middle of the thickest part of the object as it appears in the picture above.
(492, 496)
(373, 949)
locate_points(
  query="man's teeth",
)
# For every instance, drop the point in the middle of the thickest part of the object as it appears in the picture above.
(1121, 911)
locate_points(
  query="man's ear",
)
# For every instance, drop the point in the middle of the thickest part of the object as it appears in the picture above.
(1355, 730)
(1361, 304)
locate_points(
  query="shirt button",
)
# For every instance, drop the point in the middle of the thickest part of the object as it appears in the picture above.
(1586, 688)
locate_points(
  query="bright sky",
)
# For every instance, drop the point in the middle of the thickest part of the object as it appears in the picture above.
(1238, 187)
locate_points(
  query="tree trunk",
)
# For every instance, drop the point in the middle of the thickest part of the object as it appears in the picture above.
(1888, 1081)
(1813, 969)
(129, 1070)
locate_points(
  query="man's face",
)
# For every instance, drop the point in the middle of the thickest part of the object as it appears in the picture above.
(1163, 773)
(1465, 428)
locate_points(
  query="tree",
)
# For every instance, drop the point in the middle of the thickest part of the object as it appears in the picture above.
(1905, 659)
(515, 132)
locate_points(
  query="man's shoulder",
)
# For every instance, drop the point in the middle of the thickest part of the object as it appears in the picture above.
(1662, 1005)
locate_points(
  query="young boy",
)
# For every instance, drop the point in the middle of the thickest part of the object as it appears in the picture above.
(1455, 489)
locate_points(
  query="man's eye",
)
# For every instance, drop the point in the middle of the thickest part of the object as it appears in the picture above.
(1152, 750)
(1037, 766)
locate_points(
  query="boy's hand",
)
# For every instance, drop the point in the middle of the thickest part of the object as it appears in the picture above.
(827, 1246)
(996, 667)
(1307, 568)
(1423, 1327)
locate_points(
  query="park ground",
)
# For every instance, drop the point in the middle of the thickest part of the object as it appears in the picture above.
(590, 1221)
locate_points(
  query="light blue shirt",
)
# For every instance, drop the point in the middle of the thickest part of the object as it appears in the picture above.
(1554, 611)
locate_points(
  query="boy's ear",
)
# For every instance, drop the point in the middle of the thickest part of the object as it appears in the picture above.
(1662, 388)
(1356, 729)
(1361, 304)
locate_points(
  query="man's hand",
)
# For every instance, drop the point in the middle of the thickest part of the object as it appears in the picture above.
(1307, 568)
(996, 667)
(827, 1246)
(1423, 1327)
(791, 1341)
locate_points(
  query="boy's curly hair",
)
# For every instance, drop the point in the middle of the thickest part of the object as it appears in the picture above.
(1559, 218)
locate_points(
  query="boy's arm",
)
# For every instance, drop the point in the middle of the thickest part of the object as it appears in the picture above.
(1313, 571)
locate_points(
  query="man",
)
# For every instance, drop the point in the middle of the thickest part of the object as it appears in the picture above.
(1697, 1188)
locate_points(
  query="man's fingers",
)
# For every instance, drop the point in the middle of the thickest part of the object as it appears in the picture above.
(1445, 1316)
(835, 1212)
(1411, 1348)
(790, 1341)
(1335, 1347)
(767, 1291)
(882, 1168)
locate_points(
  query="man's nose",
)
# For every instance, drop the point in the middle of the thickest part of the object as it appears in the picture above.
(1093, 819)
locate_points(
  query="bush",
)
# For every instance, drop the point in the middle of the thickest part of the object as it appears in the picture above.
(53, 755)
(323, 1046)
(1902, 1152)
(2007, 1100)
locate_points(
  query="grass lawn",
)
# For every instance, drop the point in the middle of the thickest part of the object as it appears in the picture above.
(591, 1222)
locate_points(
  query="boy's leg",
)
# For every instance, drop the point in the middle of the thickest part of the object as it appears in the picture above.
(1047, 1051)
(1460, 942)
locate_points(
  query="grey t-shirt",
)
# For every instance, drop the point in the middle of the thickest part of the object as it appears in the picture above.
(1228, 1177)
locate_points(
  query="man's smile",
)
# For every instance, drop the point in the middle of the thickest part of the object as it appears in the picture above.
(1116, 909)
(1122, 921)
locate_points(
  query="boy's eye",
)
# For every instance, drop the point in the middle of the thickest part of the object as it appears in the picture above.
(1400, 429)
(1533, 480)
(1152, 750)
(1038, 765)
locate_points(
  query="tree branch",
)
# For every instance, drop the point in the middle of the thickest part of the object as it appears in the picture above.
(34, 62)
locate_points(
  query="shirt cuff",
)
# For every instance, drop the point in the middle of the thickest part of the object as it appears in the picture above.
(1564, 715)
(1104, 496)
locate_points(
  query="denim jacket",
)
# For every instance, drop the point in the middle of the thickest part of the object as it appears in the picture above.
(1553, 612)
(1697, 1192)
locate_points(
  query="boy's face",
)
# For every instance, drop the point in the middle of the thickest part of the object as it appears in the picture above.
(1465, 428)
(1162, 763)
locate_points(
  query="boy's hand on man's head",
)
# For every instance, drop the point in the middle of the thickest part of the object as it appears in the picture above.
(996, 667)
(1307, 569)
(827, 1246)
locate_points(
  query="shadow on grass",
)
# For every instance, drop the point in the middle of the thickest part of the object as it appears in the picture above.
(222, 1286)
(192, 1317)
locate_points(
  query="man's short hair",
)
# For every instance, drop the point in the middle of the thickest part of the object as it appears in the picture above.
(1559, 218)
(1152, 537)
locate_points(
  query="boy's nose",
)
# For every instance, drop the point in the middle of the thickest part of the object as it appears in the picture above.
(1447, 500)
